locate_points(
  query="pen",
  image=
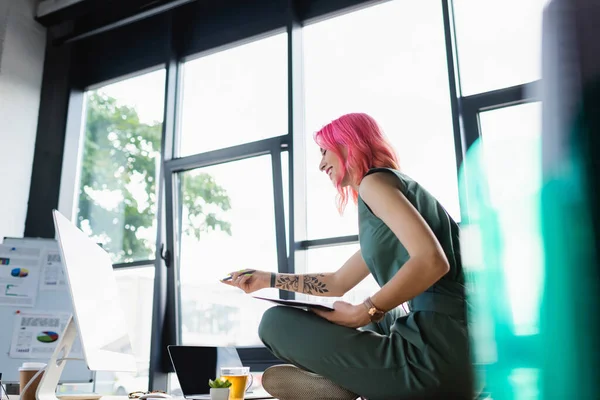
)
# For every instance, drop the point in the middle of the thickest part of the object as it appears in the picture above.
(249, 272)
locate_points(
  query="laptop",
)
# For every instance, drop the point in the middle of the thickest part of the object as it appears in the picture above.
(195, 365)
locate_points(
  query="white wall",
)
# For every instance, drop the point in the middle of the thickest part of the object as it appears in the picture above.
(22, 44)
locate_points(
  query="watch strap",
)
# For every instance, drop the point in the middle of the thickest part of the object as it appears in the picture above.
(375, 313)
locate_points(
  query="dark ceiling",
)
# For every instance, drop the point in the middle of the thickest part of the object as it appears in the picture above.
(99, 9)
(87, 16)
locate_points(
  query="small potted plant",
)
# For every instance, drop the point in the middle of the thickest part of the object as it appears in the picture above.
(219, 389)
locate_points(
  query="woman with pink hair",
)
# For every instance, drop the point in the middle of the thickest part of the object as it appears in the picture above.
(410, 244)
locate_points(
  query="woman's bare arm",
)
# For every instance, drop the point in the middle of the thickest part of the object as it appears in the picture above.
(329, 284)
(427, 263)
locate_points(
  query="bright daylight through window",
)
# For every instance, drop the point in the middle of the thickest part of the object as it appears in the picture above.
(120, 164)
(235, 96)
(499, 43)
(402, 82)
(227, 224)
(117, 201)
(226, 211)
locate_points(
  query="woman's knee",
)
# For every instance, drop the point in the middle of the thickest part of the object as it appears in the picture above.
(271, 323)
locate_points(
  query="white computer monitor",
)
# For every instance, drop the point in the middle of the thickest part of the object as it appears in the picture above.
(98, 318)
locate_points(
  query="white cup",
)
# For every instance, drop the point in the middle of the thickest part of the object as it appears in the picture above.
(32, 366)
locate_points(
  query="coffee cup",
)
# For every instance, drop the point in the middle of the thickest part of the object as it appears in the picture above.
(26, 372)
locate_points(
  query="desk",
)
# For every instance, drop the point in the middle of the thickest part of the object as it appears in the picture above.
(108, 397)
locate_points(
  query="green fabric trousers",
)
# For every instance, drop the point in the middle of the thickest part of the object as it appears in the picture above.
(422, 355)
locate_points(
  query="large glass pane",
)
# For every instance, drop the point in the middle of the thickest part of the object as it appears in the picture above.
(120, 164)
(235, 96)
(499, 43)
(389, 61)
(330, 259)
(227, 224)
(136, 289)
(512, 148)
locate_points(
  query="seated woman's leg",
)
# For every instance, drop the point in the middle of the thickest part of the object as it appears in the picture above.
(367, 363)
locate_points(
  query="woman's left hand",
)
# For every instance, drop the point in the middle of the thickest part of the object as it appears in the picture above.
(346, 314)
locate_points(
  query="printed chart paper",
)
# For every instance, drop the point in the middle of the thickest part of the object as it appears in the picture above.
(35, 335)
(53, 273)
(19, 275)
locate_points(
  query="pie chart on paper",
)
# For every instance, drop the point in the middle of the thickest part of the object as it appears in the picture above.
(19, 272)
(47, 337)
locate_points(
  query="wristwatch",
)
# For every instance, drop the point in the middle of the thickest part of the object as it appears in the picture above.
(375, 314)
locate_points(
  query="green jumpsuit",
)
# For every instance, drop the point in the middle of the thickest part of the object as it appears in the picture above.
(422, 354)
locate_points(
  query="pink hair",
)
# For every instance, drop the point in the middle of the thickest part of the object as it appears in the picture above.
(366, 146)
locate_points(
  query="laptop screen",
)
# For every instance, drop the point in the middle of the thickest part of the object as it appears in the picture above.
(194, 366)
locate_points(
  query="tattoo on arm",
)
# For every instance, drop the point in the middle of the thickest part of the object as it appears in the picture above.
(312, 284)
(288, 282)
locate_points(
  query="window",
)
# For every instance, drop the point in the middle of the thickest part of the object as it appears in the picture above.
(136, 288)
(227, 223)
(389, 61)
(120, 164)
(226, 211)
(235, 96)
(499, 43)
(511, 138)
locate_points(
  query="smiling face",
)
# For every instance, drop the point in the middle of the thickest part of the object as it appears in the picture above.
(350, 146)
(331, 165)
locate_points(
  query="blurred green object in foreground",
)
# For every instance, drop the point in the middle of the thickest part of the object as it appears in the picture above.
(530, 253)
(571, 307)
(500, 189)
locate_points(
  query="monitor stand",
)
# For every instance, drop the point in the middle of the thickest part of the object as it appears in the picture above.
(47, 388)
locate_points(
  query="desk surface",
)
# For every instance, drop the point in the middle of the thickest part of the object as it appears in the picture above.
(108, 397)
(17, 397)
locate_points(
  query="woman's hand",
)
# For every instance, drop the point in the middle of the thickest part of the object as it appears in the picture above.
(249, 282)
(346, 314)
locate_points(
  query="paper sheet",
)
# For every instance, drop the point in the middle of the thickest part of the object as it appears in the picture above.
(19, 275)
(35, 335)
(53, 273)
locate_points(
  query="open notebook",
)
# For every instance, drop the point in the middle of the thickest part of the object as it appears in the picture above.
(299, 304)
